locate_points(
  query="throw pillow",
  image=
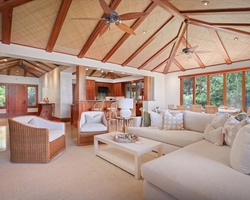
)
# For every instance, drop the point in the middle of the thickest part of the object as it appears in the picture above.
(214, 135)
(93, 119)
(156, 120)
(173, 122)
(232, 126)
(240, 152)
(220, 120)
(145, 122)
(241, 116)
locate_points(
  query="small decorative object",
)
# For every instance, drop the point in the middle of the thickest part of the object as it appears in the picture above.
(126, 105)
(126, 138)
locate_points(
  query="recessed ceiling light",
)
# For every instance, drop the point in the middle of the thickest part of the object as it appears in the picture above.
(144, 32)
(205, 3)
(5, 60)
(123, 72)
(87, 68)
(236, 38)
(98, 69)
(111, 71)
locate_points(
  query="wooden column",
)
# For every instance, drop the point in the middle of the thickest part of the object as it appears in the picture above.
(80, 83)
(149, 88)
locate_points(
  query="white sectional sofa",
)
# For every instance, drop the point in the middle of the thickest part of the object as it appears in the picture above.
(200, 167)
(194, 126)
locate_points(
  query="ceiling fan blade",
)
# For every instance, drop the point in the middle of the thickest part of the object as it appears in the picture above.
(88, 18)
(105, 7)
(125, 28)
(192, 49)
(202, 51)
(132, 15)
(104, 29)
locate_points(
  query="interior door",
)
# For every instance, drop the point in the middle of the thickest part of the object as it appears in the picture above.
(17, 100)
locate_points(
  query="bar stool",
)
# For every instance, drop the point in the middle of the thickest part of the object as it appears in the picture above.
(112, 111)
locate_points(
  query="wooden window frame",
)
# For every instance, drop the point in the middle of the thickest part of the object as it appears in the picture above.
(208, 74)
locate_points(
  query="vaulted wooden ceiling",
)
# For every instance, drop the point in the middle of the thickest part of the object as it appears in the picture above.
(220, 29)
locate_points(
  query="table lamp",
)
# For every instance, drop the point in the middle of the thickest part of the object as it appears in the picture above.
(125, 105)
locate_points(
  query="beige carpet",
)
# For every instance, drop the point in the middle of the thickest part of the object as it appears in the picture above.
(76, 173)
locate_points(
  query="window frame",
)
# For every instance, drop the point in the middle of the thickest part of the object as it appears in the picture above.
(36, 86)
(6, 96)
(208, 74)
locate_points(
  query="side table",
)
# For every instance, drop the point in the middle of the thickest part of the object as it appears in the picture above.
(123, 122)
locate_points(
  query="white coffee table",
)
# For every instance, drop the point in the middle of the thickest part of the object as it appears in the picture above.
(125, 155)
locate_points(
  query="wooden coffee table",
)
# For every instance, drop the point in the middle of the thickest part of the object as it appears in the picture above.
(125, 155)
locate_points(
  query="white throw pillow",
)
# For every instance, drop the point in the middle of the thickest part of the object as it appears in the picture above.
(220, 120)
(240, 152)
(232, 126)
(171, 122)
(214, 135)
(93, 119)
(156, 119)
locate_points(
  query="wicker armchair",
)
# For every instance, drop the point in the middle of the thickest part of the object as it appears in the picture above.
(34, 142)
(91, 123)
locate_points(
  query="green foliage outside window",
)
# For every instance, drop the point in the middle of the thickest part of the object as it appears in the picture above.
(31, 96)
(247, 97)
(187, 91)
(216, 89)
(201, 90)
(2, 96)
(234, 89)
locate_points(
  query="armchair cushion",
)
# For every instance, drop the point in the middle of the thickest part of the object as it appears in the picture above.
(93, 119)
(93, 127)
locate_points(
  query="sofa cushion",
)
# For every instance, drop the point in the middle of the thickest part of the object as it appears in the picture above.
(54, 134)
(214, 135)
(232, 126)
(171, 122)
(180, 138)
(240, 153)
(195, 121)
(199, 171)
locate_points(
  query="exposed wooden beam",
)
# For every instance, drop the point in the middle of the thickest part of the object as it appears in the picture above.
(145, 44)
(170, 8)
(227, 30)
(8, 62)
(96, 31)
(220, 46)
(7, 67)
(228, 11)
(158, 66)
(176, 45)
(36, 67)
(230, 24)
(115, 74)
(148, 10)
(58, 24)
(6, 25)
(178, 65)
(46, 65)
(33, 74)
(91, 74)
(6, 5)
(157, 53)
(195, 56)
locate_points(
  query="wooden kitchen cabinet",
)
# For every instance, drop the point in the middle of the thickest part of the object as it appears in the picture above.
(117, 91)
(90, 90)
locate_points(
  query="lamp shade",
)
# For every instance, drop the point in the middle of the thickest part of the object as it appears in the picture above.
(126, 103)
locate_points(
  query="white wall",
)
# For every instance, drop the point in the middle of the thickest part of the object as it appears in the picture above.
(50, 88)
(172, 83)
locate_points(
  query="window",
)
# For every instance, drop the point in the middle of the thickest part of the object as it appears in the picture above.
(247, 92)
(32, 95)
(227, 87)
(201, 90)
(234, 89)
(2, 95)
(187, 91)
(216, 89)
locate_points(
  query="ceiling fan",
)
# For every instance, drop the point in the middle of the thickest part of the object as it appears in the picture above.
(111, 16)
(190, 50)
